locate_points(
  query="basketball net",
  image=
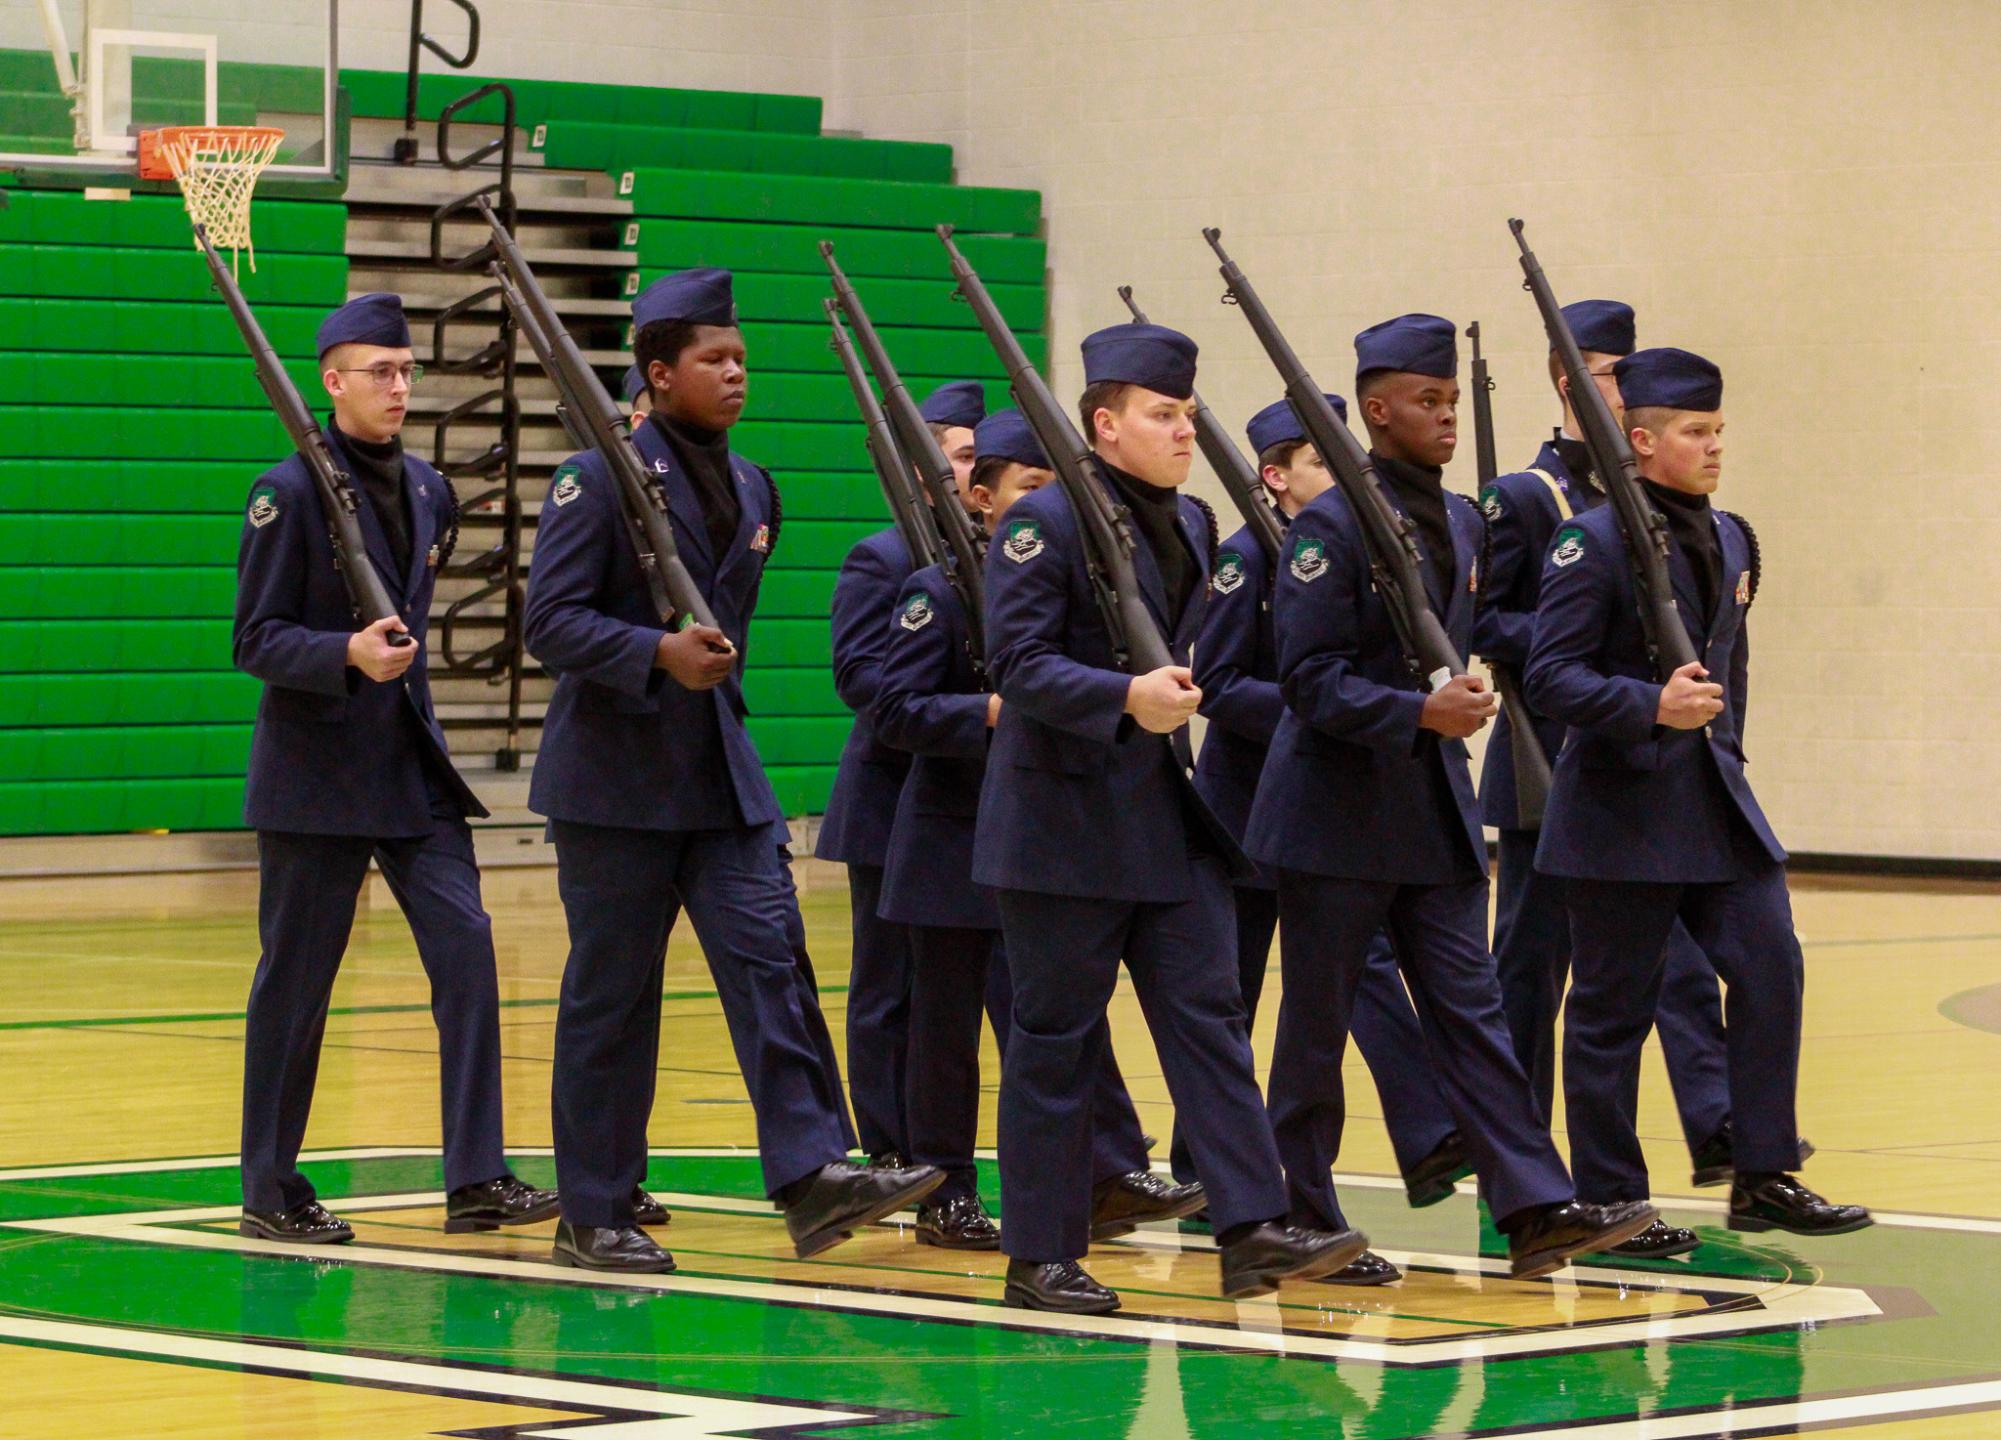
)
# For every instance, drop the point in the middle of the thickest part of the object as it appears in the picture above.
(217, 168)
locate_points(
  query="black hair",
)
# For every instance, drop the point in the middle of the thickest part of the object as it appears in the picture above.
(987, 471)
(1099, 395)
(661, 340)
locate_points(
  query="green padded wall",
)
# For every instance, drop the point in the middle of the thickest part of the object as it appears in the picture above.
(119, 709)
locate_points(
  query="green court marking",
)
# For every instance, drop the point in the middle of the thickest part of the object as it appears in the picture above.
(1977, 1009)
(1935, 1286)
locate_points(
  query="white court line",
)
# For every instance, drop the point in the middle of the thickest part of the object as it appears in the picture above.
(1780, 1417)
(1260, 1325)
(674, 1415)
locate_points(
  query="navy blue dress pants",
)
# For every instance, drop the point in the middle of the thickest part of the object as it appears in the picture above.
(878, 1016)
(307, 889)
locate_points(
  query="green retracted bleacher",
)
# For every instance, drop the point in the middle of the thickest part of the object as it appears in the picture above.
(131, 424)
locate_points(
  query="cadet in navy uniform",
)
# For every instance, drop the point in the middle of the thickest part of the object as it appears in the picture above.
(1236, 666)
(1531, 933)
(1651, 819)
(1100, 849)
(932, 704)
(855, 829)
(1366, 810)
(347, 762)
(656, 800)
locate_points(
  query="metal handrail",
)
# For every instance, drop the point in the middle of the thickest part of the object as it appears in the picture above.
(406, 145)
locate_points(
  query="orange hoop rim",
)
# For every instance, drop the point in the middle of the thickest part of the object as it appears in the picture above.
(153, 144)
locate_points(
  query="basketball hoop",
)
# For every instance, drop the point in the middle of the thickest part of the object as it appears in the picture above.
(217, 167)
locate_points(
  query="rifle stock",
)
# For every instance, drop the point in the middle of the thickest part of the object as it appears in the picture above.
(1532, 774)
(1389, 538)
(1612, 461)
(338, 502)
(588, 407)
(1137, 641)
(921, 451)
(1239, 476)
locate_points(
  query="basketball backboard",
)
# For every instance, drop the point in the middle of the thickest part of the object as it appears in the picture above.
(80, 78)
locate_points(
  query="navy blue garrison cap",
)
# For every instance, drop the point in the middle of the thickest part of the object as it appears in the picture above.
(635, 384)
(1007, 435)
(1416, 344)
(1152, 357)
(696, 297)
(1602, 325)
(366, 320)
(956, 402)
(1276, 424)
(1668, 377)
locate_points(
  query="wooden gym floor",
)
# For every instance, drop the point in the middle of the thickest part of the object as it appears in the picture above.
(129, 1305)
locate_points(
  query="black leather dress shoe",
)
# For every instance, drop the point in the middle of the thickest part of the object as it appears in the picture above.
(840, 1198)
(1551, 1238)
(1255, 1263)
(1367, 1268)
(310, 1223)
(888, 1160)
(646, 1210)
(1431, 1179)
(623, 1248)
(1121, 1204)
(960, 1223)
(1780, 1202)
(1713, 1161)
(494, 1203)
(1059, 1285)
(1657, 1242)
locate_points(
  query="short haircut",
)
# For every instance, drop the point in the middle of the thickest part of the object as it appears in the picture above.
(661, 340)
(988, 469)
(939, 429)
(1371, 382)
(1100, 395)
(1555, 368)
(1280, 454)
(1654, 419)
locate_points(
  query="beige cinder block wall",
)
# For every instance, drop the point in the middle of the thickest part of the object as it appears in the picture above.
(1807, 192)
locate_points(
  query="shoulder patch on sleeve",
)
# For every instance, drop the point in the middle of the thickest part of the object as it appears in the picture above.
(1490, 503)
(1229, 572)
(1309, 559)
(917, 611)
(1568, 547)
(1023, 541)
(263, 506)
(565, 489)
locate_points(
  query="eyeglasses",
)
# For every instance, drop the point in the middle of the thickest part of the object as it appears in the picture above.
(385, 374)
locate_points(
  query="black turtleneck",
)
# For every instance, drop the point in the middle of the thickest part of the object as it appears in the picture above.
(379, 468)
(705, 457)
(1692, 527)
(1576, 458)
(1420, 491)
(1156, 510)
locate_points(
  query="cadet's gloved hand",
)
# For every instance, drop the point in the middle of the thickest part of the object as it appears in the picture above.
(697, 658)
(1163, 700)
(370, 652)
(1688, 702)
(1460, 707)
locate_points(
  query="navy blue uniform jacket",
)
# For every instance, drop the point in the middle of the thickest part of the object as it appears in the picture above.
(1236, 667)
(862, 805)
(624, 744)
(1078, 799)
(931, 705)
(1522, 519)
(333, 752)
(1631, 799)
(1354, 788)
